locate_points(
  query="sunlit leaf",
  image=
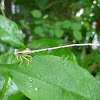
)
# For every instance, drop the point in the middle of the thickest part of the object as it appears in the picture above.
(10, 32)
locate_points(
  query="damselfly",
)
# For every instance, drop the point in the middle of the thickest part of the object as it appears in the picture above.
(24, 53)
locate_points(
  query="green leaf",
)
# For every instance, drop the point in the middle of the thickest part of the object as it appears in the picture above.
(93, 57)
(58, 24)
(12, 92)
(14, 95)
(8, 58)
(36, 14)
(3, 47)
(57, 29)
(77, 35)
(53, 78)
(39, 30)
(10, 32)
(51, 31)
(38, 22)
(76, 26)
(66, 24)
(58, 32)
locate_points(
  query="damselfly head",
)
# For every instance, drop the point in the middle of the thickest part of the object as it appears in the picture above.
(15, 52)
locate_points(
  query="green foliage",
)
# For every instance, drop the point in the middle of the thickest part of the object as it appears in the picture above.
(42, 4)
(36, 14)
(58, 32)
(39, 30)
(93, 57)
(66, 24)
(76, 26)
(77, 35)
(53, 74)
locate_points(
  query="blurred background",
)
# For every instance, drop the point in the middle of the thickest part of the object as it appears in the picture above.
(73, 21)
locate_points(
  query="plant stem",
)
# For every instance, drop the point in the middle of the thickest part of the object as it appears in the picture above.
(4, 87)
(2, 10)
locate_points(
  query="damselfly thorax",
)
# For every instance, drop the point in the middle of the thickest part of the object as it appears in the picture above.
(24, 53)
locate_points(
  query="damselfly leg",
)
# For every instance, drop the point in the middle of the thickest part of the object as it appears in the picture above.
(23, 54)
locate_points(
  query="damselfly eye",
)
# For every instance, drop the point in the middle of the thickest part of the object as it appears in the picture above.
(15, 52)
